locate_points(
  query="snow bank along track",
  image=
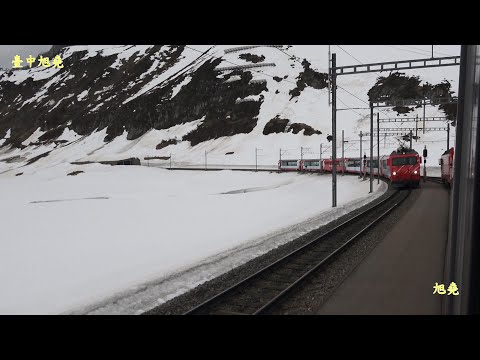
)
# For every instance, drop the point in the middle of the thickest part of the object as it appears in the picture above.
(258, 293)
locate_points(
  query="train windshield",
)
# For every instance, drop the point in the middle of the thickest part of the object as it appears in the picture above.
(400, 161)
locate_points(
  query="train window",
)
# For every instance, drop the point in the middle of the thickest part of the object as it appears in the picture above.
(399, 161)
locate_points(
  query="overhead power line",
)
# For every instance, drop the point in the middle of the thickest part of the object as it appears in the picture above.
(353, 57)
(423, 51)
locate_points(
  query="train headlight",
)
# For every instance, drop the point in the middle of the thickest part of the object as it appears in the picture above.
(415, 172)
(394, 173)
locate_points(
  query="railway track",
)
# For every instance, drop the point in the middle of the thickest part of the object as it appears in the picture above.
(260, 292)
(435, 179)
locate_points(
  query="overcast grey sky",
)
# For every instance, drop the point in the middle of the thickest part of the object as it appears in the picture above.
(362, 52)
(7, 53)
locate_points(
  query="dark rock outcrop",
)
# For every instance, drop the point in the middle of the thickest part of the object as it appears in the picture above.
(297, 127)
(129, 161)
(309, 77)
(252, 58)
(166, 143)
(275, 126)
(398, 86)
(278, 125)
(74, 173)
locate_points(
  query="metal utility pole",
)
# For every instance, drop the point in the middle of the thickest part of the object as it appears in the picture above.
(416, 128)
(360, 175)
(378, 147)
(425, 154)
(448, 136)
(424, 105)
(411, 139)
(301, 153)
(334, 129)
(371, 147)
(328, 83)
(343, 152)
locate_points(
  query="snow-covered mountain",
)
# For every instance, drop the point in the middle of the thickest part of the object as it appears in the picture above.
(192, 101)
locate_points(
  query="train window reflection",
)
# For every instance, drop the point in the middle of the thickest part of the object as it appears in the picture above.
(411, 160)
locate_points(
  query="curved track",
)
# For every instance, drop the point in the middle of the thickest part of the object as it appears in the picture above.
(261, 291)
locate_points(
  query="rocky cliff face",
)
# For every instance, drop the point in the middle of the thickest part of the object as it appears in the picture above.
(133, 89)
(398, 86)
(110, 103)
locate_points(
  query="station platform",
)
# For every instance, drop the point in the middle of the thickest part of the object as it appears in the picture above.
(398, 276)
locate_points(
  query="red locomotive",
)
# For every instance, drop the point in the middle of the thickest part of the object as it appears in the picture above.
(404, 167)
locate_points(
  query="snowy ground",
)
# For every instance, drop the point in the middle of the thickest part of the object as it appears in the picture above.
(139, 235)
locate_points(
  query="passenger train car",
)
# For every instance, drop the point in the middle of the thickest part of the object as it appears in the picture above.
(314, 165)
(446, 166)
(289, 165)
(327, 165)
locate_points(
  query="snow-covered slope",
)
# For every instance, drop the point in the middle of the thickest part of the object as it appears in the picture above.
(113, 102)
(134, 237)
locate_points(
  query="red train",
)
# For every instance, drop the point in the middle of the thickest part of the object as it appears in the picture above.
(446, 166)
(327, 165)
(402, 167)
